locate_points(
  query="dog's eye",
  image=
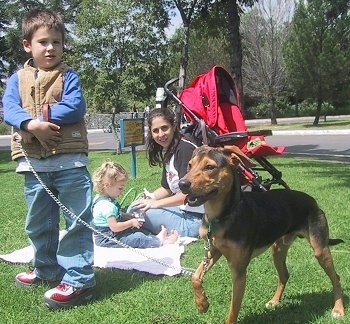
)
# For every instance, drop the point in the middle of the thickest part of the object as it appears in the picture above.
(189, 166)
(209, 167)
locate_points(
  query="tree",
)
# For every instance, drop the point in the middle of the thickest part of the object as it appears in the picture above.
(3, 23)
(228, 14)
(120, 50)
(263, 32)
(207, 45)
(187, 10)
(11, 50)
(317, 53)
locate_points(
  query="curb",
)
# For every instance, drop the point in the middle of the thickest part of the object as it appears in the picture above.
(90, 131)
(274, 132)
(312, 132)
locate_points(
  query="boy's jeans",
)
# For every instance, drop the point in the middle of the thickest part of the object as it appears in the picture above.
(71, 259)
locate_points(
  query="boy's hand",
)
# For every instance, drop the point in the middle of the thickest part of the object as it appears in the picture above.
(47, 133)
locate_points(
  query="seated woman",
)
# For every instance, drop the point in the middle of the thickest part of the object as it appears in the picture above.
(166, 147)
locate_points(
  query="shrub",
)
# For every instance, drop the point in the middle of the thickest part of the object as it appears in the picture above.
(283, 109)
(286, 109)
(5, 129)
(308, 108)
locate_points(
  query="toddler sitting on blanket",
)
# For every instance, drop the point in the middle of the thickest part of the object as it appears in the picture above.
(114, 228)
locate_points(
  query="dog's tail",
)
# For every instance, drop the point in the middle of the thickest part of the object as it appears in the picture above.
(335, 241)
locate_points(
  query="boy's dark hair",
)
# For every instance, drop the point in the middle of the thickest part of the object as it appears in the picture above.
(38, 18)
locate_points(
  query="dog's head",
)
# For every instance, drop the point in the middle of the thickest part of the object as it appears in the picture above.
(211, 173)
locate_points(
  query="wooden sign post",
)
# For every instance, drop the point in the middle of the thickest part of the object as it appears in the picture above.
(132, 133)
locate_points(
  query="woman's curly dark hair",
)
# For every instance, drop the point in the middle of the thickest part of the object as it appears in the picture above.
(155, 153)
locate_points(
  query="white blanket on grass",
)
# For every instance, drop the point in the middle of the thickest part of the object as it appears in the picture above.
(164, 260)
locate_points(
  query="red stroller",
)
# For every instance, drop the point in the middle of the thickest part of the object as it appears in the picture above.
(211, 104)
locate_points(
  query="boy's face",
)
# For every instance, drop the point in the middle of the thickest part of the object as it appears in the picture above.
(46, 48)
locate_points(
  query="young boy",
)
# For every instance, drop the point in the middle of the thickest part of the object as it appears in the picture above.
(45, 105)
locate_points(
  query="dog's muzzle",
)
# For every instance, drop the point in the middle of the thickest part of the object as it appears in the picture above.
(185, 186)
(194, 199)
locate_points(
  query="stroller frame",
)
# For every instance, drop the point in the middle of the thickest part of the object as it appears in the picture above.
(220, 136)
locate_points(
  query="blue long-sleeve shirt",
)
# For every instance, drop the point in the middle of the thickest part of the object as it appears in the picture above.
(70, 109)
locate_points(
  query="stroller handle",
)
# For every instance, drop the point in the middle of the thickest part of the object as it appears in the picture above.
(174, 97)
(169, 92)
(234, 136)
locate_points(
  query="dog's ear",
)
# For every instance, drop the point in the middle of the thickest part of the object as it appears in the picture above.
(237, 156)
(200, 149)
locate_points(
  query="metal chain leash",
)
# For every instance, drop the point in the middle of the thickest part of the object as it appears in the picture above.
(65, 209)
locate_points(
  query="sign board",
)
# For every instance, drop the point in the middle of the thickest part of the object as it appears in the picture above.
(132, 132)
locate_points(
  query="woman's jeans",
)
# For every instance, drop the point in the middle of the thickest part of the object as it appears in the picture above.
(69, 260)
(173, 218)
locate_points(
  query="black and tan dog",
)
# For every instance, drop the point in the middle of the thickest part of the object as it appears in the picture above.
(242, 225)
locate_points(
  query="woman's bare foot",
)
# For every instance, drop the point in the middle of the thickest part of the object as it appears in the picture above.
(162, 235)
(172, 237)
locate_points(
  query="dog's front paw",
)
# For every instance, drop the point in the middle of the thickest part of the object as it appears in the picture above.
(271, 304)
(199, 296)
(338, 314)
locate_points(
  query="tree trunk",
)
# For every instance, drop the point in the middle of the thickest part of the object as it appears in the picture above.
(183, 68)
(273, 110)
(184, 57)
(231, 8)
(318, 112)
(115, 130)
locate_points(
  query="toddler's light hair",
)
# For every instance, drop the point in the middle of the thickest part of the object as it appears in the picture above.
(108, 170)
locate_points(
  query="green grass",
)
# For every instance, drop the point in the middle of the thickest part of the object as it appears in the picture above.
(134, 297)
(322, 125)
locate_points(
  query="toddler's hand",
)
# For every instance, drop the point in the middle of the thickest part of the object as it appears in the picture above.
(135, 223)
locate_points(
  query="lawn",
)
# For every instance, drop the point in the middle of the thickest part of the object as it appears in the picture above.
(135, 297)
(329, 124)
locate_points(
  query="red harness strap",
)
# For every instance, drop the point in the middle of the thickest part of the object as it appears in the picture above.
(46, 108)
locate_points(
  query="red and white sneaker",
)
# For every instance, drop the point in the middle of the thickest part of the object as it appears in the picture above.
(30, 279)
(66, 296)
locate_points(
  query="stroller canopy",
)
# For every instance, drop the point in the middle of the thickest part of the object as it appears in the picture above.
(213, 98)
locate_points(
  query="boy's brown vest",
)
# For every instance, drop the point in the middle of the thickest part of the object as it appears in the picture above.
(37, 94)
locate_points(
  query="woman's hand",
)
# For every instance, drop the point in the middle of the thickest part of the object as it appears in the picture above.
(143, 204)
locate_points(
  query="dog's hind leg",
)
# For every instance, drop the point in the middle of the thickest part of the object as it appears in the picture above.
(324, 258)
(279, 253)
(200, 296)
